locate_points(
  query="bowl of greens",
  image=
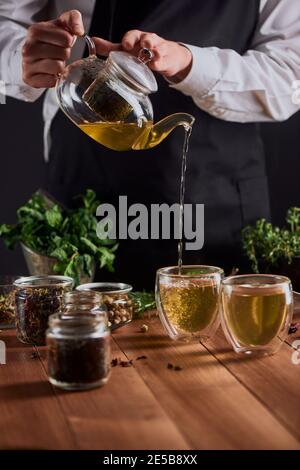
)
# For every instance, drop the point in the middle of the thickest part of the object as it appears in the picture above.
(57, 240)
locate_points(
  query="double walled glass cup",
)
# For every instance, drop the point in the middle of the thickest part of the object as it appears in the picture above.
(256, 312)
(188, 301)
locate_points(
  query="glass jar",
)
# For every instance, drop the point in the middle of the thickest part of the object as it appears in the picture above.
(81, 302)
(115, 296)
(7, 302)
(79, 351)
(257, 312)
(38, 297)
(188, 301)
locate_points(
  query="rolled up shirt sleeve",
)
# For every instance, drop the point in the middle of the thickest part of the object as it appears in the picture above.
(15, 18)
(256, 86)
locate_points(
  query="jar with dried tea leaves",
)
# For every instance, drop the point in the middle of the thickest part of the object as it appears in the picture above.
(115, 296)
(38, 297)
(7, 301)
(79, 351)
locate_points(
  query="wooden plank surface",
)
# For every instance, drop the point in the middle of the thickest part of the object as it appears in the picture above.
(274, 380)
(30, 416)
(212, 407)
(217, 400)
(121, 415)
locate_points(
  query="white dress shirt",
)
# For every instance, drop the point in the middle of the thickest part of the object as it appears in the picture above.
(256, 86)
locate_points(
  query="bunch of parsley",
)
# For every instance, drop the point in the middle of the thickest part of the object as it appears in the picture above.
(267, 245)
(67, 235)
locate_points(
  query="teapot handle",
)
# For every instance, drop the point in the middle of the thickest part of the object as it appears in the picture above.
(90, 44)
(145, 55)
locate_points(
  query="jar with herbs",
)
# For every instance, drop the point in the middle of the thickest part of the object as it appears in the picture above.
(36, 298)
(7, 302)
(79, 351)
(115, 296)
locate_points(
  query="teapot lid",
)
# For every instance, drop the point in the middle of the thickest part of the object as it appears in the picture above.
(134, 69)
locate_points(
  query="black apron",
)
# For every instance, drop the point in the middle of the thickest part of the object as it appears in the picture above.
(225, 168)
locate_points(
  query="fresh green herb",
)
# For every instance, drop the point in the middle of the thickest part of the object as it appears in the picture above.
(67, 235)
(142, 301)
(267, 245)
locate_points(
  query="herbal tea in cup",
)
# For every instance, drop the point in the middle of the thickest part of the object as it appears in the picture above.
(257, 312)
(188, 301)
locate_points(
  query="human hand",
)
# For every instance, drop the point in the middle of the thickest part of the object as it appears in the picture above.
(170, 58)
(48, 46)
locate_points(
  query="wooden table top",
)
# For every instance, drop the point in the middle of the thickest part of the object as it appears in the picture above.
(218, 400)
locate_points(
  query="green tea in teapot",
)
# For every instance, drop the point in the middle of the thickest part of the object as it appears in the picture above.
(125, 135)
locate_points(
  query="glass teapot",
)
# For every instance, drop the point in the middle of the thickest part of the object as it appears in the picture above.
(108, 100)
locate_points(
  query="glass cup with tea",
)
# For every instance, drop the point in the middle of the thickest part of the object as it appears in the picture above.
(256, 312)
(187, 300)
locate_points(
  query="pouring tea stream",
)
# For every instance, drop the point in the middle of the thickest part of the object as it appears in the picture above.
(108, 100)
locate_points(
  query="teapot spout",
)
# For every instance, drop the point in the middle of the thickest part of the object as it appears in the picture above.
(159, 131)
(168, 124)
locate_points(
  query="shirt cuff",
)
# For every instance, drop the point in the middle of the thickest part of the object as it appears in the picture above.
(15, 87)
(204, 74)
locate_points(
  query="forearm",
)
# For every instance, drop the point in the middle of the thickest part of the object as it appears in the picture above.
(256, 86)
(249, 88)
(12, 37)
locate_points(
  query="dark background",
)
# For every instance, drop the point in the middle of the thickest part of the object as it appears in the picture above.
(23, 167)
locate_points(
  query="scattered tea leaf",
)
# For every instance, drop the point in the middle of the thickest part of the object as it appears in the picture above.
(294, 328)
(114, 362)
(172, 367)
(34, 355)
(126, 363)
(139, 358)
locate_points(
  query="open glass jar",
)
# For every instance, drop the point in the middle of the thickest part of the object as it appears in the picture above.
(82, 302)
(115, 296)
(38, 297)
(7, 301)
(79, 351)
